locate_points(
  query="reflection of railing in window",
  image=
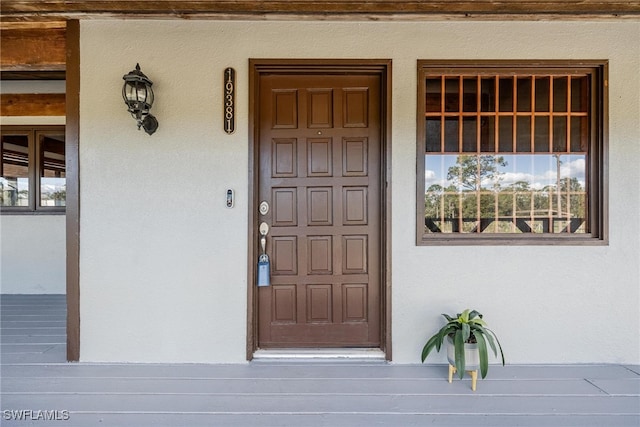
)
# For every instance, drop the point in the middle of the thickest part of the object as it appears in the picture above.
(545, 224)
(54, 167)
(52, 155)
(13, 158)
(506, 212)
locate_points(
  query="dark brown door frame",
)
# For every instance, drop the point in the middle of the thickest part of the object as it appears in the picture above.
(257, 67)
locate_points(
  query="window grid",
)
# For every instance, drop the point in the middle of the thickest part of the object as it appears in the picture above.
(559, 215)
(460, 114)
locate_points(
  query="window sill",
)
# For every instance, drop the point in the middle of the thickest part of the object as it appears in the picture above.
(31, 212)
(511, 240)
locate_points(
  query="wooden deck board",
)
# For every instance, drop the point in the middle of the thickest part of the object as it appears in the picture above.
(342, 370)
(313, 403)
(438, 386)
(39, 317)
(627, 387)
(344, 420)
(51, 355)
(33, 339)
(35, 377)
(21, 324)
(34, 331)
(634, 368)
(332, 420)
(24, 348)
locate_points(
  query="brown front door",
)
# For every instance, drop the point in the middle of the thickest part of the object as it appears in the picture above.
(320, 171)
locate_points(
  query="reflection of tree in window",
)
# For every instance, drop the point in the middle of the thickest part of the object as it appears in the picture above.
(470, 171)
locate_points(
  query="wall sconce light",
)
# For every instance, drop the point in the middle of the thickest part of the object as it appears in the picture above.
(138, 96)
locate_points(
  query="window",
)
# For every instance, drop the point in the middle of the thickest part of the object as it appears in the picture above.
(32, 169)
(511, 152)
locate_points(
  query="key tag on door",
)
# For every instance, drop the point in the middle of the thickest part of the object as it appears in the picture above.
(264, 269)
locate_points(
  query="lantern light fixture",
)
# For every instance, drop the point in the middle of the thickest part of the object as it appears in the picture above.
(138, 95)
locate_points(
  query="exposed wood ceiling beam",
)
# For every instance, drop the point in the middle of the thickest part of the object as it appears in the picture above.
(28, 104)
(28, 50)
(40, 24)
(33, 10)
(32, 75)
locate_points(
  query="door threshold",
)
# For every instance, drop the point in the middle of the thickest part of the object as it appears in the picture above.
(330, 354)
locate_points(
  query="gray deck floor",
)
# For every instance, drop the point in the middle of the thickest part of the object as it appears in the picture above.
(36, 378)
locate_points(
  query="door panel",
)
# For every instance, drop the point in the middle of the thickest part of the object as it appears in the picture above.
(319, 170)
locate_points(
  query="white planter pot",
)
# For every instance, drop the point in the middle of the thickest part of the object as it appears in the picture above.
(471, 355)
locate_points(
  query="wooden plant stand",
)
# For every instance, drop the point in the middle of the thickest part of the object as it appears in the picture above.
(474, 376)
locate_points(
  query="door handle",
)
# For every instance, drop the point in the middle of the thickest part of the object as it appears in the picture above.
(264, 230)
(264, 269)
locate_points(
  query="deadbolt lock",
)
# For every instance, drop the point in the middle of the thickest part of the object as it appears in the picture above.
(264, 208)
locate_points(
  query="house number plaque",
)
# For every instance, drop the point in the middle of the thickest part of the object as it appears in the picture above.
(229, 100)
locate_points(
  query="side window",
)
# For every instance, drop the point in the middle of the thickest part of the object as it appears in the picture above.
(510, 153)
(32, 172)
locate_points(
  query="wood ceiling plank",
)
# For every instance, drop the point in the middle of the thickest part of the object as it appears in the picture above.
(31, 104)
(33, 49)
(25, 24)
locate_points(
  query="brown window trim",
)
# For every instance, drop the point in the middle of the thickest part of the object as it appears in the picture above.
(34, 207)
(598, 149)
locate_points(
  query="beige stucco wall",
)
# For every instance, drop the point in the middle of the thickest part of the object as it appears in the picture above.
(32, 254)
(163, 261)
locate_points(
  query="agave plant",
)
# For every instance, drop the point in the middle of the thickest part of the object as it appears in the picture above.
(466, 327)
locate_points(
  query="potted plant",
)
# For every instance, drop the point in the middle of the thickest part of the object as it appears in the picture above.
(467, 336)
